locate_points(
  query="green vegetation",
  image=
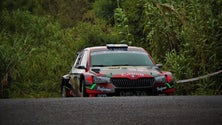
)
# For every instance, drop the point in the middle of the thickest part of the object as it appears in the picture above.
(39, 39)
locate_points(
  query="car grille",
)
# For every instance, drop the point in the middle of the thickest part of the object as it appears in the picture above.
(128, 83)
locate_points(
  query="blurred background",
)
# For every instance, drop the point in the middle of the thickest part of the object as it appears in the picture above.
(39, 40)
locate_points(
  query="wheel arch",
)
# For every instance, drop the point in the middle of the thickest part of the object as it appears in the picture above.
(64, 80)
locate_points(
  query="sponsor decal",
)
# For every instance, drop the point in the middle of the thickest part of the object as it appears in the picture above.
(169, 86)
(133, 74)
(103, 89)
(93, 86)
(161, 88)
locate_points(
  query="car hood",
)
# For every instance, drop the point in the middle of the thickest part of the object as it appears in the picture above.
(127, 71)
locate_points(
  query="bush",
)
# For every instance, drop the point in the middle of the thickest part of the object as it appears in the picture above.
(34, 53)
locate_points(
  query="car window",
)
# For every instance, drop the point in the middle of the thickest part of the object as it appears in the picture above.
(84, 58)
(120, 58)
(78, 59)
(81, 59)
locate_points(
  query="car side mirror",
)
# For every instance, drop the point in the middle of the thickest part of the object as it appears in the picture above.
(80, 67)
(159, 65)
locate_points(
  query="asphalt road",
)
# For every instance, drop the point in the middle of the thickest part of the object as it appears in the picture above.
(154, 110)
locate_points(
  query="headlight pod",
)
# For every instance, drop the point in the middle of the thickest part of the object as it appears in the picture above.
(160, 79)
(99, 79)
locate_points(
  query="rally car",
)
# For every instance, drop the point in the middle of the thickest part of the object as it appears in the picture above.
(116, 70)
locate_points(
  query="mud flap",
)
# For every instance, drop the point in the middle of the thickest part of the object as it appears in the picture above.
(75, 86)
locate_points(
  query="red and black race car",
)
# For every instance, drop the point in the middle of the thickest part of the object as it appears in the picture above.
(116, 70)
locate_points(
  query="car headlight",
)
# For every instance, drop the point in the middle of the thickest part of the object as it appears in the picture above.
(160, 79)
(99, 79)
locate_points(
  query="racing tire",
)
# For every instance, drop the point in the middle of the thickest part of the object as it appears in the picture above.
(83, 89)
(63, 91)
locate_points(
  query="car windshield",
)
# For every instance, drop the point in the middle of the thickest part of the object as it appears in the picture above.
(120, 58)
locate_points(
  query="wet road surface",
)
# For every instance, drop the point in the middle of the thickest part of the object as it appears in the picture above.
(155, 110)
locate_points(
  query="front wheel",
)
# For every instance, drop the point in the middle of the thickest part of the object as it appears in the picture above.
(83, 89)
(63, 91)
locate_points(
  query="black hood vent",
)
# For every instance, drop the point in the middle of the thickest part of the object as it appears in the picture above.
(95, 70)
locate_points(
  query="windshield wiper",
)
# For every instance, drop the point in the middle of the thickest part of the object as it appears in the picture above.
(97, 65)
(120, 65)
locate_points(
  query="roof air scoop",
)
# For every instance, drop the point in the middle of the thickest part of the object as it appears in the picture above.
(122, 47)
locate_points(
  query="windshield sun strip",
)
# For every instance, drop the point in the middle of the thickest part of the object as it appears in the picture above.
(116, 52)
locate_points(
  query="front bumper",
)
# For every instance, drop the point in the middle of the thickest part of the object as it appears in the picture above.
(128, 92)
